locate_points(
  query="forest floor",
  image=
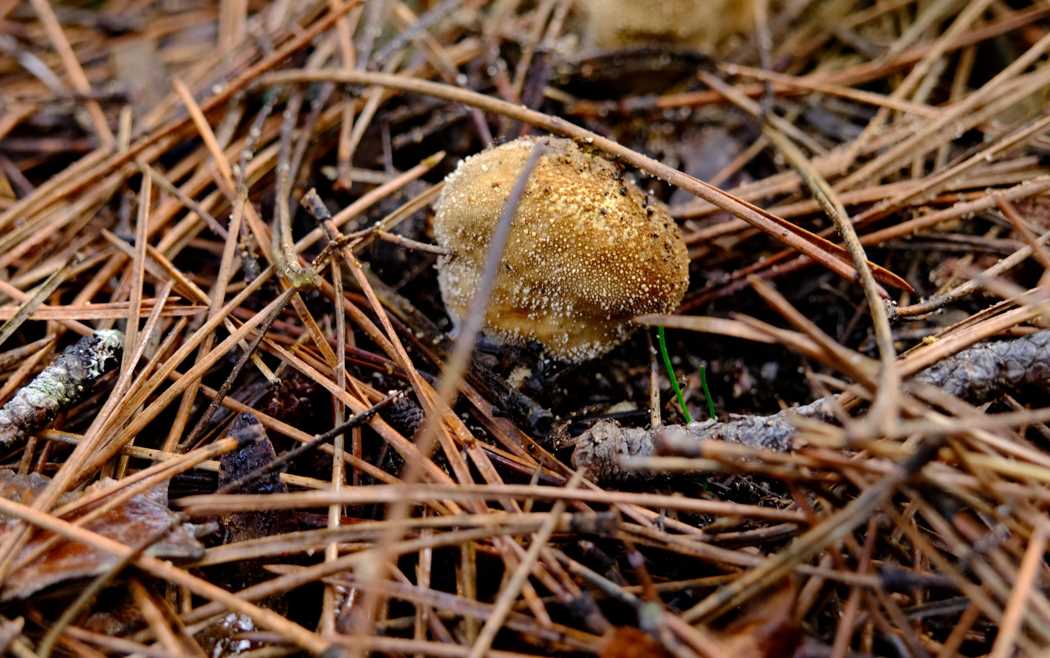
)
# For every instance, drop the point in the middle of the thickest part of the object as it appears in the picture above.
(238, 420)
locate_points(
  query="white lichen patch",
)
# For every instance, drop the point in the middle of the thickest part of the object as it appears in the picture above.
(108, 346)
(587, 252)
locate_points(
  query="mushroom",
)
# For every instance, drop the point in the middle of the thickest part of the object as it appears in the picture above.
(587, 252)
(701, 24)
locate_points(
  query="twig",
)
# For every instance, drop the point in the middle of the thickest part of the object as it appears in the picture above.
(240, 483)
(829, 531)
(213, 504)
(185, 200)
(354, 421)
(284, 245)
(73, 69)
(977, 374)
(167, 571)
(408, 243)
(63, 383)
(235, 372)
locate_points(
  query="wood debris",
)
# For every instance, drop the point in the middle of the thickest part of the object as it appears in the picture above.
(977, 374)
(61, 385)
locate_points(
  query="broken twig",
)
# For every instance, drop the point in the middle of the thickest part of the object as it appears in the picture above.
(977, 374)
(59, 386)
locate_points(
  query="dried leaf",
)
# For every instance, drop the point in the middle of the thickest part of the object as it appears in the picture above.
(129, 523)
(767, 630)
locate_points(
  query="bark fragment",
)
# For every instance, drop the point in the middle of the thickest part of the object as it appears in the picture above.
(987, 370)
(60, 385)
(254, 455)
(256, 452)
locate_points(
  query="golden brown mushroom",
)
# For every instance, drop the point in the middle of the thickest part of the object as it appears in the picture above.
(587, 250)
(701, 24)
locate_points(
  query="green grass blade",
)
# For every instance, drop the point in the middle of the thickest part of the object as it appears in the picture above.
(662, 340)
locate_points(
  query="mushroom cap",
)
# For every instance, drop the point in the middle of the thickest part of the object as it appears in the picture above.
(587, 252)
(699, 24)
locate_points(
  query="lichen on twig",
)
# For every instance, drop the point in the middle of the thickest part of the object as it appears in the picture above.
(59, 386)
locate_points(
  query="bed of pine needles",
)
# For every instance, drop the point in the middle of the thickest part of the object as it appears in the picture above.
(287, 452)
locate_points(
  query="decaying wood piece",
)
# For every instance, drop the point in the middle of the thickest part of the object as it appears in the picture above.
(976, 374)
(61, 385)
(984, 371)
(253, 464)
(256, 453)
